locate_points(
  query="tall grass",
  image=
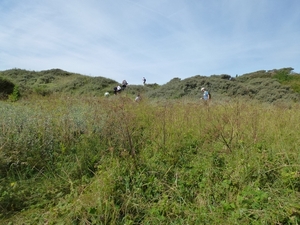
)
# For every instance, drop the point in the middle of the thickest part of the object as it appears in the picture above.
(111, 160)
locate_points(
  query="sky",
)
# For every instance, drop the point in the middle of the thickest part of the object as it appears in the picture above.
(155, 39)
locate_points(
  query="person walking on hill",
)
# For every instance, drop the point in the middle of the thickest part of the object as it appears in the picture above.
(206, 94)
(117, 89)
(144, 80)
(124, 84)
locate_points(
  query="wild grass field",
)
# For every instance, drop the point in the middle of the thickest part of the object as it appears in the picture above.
(96, 160)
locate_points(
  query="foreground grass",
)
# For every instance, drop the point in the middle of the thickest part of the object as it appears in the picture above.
(113, 161)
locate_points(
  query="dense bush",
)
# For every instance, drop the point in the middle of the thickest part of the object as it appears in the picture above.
(6, 88)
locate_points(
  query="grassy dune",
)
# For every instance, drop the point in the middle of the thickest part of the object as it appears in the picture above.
(94, 160)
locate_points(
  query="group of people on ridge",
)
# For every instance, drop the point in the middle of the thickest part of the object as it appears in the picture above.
(119, 88)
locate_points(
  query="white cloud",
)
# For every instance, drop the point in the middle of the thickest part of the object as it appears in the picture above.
(159, 39)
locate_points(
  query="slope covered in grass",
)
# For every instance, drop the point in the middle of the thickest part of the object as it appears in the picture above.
(57, 81)
(265, 86)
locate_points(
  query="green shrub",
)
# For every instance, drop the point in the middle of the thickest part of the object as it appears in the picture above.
(15, 95)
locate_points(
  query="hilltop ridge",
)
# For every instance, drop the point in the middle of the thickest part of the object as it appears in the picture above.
(263, 85)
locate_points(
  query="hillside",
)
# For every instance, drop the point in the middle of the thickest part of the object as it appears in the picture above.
(266, 86)
(56, 81)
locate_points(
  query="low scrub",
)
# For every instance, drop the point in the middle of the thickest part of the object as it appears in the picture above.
(271, 86)
(96, 160)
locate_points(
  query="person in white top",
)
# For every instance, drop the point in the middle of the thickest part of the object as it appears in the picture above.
(206, 95)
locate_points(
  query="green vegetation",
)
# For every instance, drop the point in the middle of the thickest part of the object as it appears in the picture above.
(56, 81)
(69, 155)
(96, 160)
(15, 95)
(271, 86)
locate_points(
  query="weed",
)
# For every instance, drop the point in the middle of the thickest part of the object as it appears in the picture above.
(111, 161)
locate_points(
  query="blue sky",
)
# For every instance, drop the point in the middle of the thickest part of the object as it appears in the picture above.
(156, 39)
